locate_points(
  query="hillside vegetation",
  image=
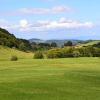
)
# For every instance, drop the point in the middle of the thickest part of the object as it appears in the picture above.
(9, 40)
(91, 43)
(6, 53)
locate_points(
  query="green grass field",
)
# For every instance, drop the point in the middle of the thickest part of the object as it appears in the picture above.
(56, 79)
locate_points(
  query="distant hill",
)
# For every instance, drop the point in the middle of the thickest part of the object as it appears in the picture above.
(9, 40)
(59, 42)
(36, 40)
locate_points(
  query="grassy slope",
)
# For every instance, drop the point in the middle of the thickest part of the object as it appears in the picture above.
(57, 79)
(6, 53)
(90, 43)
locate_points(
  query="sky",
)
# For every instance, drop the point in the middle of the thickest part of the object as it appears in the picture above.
(51, 19)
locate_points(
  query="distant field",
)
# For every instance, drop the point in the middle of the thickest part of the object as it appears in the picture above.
(57, 79)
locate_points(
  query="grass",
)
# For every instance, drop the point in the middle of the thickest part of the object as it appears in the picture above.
(6, 53)
(57, 79)
(48, 79)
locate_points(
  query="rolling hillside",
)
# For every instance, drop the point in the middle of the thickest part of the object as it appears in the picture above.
(91, 43)
(6, 53)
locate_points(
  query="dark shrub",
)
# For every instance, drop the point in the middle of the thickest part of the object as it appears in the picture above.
(54, 53)
(69, 43)
(14, 58)
(38, 55)
(53, 44)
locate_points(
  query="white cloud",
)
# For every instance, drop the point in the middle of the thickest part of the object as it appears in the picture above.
(60, 24)
(39, 26)
(53, 10)
(60, 9)
(23, 23)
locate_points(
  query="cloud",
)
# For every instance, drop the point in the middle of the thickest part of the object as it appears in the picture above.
(38, 11)
(38, 26)
(23, 23)
(61, 24)
(53, 10)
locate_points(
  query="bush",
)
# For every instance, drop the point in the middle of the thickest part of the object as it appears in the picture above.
(76, 54)
(54, 53)
(70, 52)
(60, 53)
(14, 58)
(67, 52)
(38, 55)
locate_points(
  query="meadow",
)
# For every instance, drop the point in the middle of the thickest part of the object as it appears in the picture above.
(50, 79)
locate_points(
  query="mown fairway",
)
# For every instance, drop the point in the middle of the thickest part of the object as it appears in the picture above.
(60, 79)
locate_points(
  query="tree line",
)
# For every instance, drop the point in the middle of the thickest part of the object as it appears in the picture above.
(69, 52)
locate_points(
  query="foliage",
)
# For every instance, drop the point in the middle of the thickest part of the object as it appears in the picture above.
(73, 52)
(76, 54)
(40, 46)
(38, 55)
(9, 40)
(53, 44)
(54, 53)
(69, 43)
(43, 46)
(14, 58)
(97, 45)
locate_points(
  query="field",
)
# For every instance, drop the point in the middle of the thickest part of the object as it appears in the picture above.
(57, 79)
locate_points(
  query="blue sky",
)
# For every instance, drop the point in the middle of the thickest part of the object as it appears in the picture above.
(51, 19)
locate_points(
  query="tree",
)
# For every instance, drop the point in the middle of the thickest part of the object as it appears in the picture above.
(8, 39)
(22, 47)
(26, 44)
(69, 43)
(53, 44)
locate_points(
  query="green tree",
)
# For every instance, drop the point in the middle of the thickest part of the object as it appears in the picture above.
(69, 43)
(53, 44)
(22, 47)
